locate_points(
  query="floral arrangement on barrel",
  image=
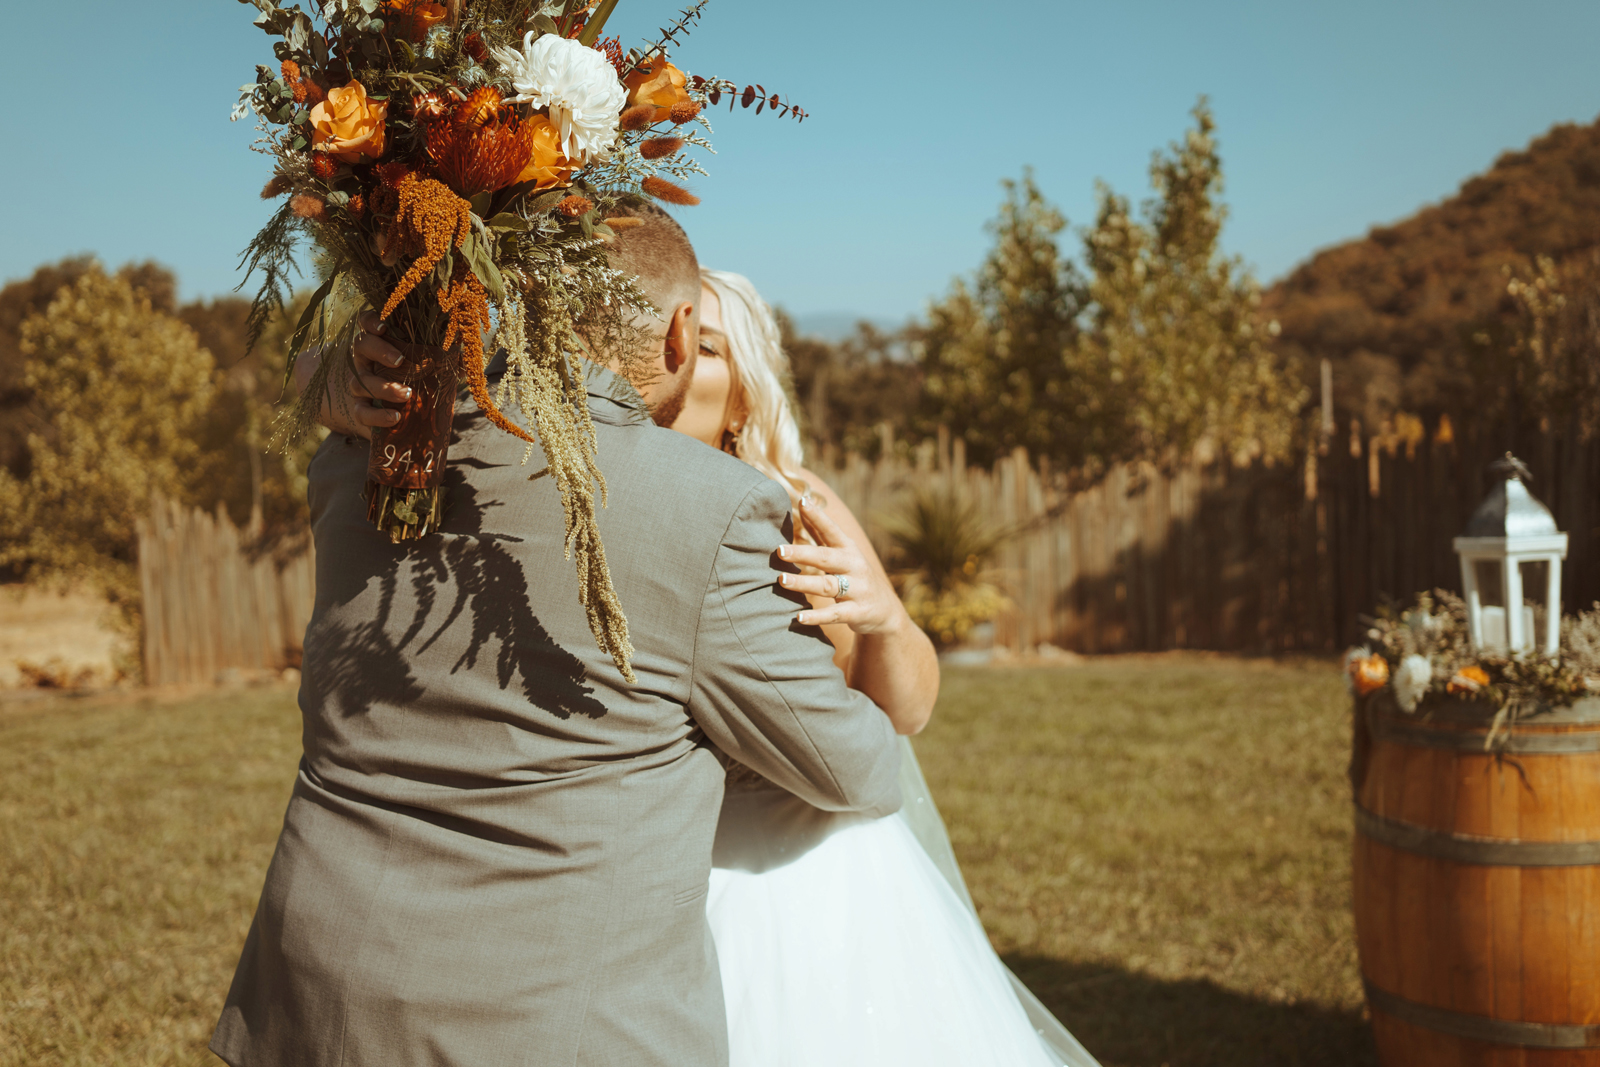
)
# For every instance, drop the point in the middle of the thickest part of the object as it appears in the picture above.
(1426, 649)
(460, 166)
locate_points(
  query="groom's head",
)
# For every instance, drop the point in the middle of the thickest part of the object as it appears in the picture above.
(654, 249)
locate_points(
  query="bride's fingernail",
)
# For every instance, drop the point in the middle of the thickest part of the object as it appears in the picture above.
(784, 550)
(783, 579)
(804, 618)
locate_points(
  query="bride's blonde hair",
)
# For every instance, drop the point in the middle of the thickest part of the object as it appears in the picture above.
(769, 440)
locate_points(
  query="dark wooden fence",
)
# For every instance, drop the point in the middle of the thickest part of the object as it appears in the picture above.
(1259, 558)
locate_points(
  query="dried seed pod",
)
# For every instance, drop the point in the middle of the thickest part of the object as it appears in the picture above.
(660, 147)
(637, 117)
(684, 111)
(671, 192)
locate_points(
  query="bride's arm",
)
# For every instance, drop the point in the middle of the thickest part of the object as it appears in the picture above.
(881, 651)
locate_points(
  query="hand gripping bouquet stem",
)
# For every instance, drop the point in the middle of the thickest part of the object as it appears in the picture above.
(461, 168)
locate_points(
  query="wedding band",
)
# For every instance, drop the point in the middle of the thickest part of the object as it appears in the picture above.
(843, 581)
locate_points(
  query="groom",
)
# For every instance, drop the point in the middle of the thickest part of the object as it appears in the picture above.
(497, 850)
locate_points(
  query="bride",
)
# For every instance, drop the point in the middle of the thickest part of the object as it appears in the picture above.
(843, 939)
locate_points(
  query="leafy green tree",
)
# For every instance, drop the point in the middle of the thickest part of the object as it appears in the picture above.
(118, 391)
(1175, 326)
(997, 351)
(845, 391)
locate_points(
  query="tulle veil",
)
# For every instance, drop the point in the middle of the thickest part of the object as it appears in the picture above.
(926, 824)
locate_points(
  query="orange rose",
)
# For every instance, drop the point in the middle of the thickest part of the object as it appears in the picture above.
(548, 166)
(347, 125)
(659, 83)
(1368, 674)
(416, 17)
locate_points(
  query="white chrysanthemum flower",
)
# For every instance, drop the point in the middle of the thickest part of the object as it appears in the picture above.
(1411, 681)
(577, 83)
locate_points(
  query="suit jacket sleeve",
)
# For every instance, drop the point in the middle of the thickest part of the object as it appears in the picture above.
(765, 690)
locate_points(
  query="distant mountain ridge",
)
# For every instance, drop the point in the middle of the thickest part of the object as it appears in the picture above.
(1407, 312)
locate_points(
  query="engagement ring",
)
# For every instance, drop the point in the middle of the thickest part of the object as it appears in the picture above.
(844, 586)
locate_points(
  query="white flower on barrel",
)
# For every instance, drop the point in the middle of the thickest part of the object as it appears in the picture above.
(577, 83)
(1411, 681)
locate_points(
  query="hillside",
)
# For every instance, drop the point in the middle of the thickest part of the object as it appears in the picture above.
(1415, 313)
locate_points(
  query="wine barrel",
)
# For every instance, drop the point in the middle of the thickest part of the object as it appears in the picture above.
(1477, 883)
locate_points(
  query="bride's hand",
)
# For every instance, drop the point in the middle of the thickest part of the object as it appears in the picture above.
(862, 597)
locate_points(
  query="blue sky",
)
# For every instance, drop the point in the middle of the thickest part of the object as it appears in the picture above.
(1332, 118)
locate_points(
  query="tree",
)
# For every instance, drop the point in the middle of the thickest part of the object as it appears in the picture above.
(1175, 326)
(845, 391)
(997, 351)
(118, 390)
(21, 299)
(1554, 352)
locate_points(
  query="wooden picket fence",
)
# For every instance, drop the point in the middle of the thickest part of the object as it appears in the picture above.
(215, 603)
(1264, 558)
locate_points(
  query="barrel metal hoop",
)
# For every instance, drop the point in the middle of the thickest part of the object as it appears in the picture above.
(1469, 848)
(1419, 735)
(1481, 1027)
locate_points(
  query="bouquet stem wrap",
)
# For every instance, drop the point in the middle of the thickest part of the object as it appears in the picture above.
(405, 471)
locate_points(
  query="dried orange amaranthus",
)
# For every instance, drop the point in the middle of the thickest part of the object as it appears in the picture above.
(467, 304)
(429, 220)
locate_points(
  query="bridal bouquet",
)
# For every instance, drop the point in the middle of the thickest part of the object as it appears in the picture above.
(456, 166)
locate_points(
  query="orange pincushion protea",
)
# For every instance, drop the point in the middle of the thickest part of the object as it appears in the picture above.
(479, 109)
(475, 153)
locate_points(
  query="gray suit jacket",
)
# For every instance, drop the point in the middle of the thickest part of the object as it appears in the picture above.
(496, 852)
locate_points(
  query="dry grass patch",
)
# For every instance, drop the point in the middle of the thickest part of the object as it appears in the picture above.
(1158, 845)
(133, 840)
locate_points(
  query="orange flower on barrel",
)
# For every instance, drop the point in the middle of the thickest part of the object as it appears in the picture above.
(416, 17)
(347, 125)
(657, 83)
(1468, 680)
(479, 150)
(1368, 673)
(547, 166)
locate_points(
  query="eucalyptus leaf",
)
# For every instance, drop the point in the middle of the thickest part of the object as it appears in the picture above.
(480, 204)
(542, 23)
(298, 32)
(482, 264)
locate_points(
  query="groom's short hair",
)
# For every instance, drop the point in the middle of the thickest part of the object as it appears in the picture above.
(658, 253)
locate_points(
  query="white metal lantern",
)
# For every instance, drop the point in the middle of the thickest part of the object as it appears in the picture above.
(1511, 545)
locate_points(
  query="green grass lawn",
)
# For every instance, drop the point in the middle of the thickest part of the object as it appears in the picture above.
(1159, 846)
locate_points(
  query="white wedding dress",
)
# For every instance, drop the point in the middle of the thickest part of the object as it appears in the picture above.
(847, 941)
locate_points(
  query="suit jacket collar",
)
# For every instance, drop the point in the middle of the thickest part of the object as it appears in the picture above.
(612, 398)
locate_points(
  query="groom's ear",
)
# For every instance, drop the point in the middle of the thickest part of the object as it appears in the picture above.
(683, 339)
